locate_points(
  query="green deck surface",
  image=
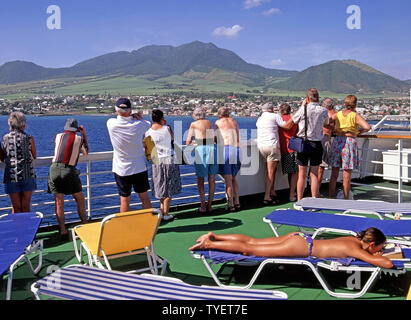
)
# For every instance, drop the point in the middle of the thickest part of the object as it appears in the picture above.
(174, 238)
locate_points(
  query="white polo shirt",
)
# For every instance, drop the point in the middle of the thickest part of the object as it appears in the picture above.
(126, 135)
(267, 129)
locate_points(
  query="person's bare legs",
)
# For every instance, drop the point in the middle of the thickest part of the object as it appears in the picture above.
(145, 200)
(274, 171)
(347, 183)
(228, 179)
(269, 179)
(335, 172)
(321, 170)
(293, 246)
(211, 191)
(302, 175)
(314, 182)
(236, 192)
(15, 199)
(124, 204)
(59, 200)
(26, 200)
(292, 181)
(247, 239)
(81, 206)
(165, 205)
(201, 192)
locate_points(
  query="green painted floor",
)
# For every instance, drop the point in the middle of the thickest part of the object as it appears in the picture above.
(174, 238)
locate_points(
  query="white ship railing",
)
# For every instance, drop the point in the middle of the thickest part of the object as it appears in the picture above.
(371, 165)
(393, 122)
(92, 203)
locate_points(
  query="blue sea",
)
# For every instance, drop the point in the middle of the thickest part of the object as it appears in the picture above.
(44, 128)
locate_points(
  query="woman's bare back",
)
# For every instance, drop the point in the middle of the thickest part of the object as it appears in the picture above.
(336, 248)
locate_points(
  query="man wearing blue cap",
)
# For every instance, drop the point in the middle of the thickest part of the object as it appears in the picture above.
(129, 166)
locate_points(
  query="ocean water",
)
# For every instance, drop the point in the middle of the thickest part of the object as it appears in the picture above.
(44, 128)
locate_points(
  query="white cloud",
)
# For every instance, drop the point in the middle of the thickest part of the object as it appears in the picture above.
(230, 32)
(277, 62)
(248, 4)
(271, 11)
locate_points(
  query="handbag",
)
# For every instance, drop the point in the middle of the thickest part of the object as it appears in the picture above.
(150, 150)
(301, 144)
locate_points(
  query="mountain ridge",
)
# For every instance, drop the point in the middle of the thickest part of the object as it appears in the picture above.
(199, 60)
(157, 60)
(343, 76)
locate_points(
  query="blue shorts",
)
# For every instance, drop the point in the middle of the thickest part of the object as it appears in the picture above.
(22, 186)
(229, 161)
(206, 160)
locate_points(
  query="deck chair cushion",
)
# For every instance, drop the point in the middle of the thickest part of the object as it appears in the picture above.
(82, 282)
(343, 205)
(307, 219)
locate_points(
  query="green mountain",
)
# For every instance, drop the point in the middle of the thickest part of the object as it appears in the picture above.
(152, 61)
(343, 76)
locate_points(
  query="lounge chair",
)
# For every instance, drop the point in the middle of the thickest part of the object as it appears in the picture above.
(87, 283)
(17, 233)
(120, 235)
(377, 208)
(409, 294)
(314, 264)
(340, 223)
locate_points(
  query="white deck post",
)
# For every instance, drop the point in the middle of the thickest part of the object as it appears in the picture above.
(88, 189)
(400, 152)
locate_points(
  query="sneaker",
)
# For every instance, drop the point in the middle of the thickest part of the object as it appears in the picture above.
(167, 217)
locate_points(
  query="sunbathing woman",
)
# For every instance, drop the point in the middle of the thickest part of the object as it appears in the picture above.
(366, 246)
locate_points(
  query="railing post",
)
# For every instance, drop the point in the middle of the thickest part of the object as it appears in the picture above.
(89, 189)
(400, 171)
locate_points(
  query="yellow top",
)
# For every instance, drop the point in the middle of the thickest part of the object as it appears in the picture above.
(347, 123)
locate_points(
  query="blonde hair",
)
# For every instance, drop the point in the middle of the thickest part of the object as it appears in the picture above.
(199, 113)
(223, 112)
(17, 121)
(351, 102)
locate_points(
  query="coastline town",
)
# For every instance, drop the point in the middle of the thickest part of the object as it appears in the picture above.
(184, 104)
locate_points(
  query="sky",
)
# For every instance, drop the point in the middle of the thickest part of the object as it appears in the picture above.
(290, 35)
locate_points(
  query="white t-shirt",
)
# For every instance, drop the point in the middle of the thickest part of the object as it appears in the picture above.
(267, 129)
(162, 140)
(126, 135)
(317, 118)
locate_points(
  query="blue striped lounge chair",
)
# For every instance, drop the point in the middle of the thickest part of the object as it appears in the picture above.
(79, 282)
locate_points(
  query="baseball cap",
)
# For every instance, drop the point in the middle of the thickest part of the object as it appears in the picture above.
(71, 125)
(123, 103)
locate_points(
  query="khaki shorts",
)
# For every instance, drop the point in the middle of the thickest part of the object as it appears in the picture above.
(270, 153)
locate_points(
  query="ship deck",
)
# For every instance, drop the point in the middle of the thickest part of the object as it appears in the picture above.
(175, 237)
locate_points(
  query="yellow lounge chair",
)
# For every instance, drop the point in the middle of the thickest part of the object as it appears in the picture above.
(409, 294)
(120, 235)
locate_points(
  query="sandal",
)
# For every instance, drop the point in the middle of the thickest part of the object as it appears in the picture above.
(229, 208)
(275, 200)
(237, 207)
(267, 202)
